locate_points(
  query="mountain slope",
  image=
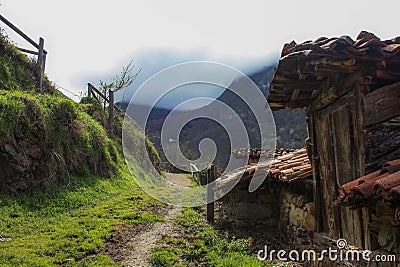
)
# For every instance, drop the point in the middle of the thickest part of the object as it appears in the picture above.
(290, 124)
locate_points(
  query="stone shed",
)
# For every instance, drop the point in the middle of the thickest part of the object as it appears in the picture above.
(351, 92)
(282, 204)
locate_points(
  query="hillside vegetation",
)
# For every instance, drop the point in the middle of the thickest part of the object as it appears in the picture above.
(46, 137)
(64, 184)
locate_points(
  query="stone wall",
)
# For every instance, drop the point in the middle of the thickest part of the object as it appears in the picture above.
(276, 207)
(297, 219)
(259, 209)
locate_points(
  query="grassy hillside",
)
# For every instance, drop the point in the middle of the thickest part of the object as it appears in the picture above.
(64, 186)
(45, 137)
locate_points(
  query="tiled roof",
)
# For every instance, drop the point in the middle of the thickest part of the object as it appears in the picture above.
(253, 155)
(303, 68)
(286, 167)
(366, 45)
(383, 184)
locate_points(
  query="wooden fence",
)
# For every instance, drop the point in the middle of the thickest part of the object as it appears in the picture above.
(98, 95)
(40, 53)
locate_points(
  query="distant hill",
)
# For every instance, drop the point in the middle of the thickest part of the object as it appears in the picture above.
(290, 124)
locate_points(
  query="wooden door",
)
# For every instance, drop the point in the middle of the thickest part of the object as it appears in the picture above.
(338, 151)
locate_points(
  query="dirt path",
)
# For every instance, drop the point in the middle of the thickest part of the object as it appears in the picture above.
(133, 246)
(178, 179)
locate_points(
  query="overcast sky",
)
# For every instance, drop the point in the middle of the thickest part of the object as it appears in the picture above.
(90, 40)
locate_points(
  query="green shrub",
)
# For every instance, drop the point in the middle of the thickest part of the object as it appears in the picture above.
(164, 257)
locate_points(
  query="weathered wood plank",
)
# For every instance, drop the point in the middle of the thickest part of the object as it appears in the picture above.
(297, 84)
(316, 175)
(328, 180)
(382, 104)
(382, 138)
(376, 164)
(365, 220)
(342, 127)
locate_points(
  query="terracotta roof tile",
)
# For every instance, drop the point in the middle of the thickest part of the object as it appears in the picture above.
(387, 182)
(345, 189)
(367, 54)
(286, 167)
(394, 193)
(383, 184)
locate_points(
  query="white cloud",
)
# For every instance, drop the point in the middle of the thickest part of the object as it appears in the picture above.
(97, 37)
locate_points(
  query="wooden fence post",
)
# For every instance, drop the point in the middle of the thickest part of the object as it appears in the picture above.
(89, 90)
(212, 173)
(111, 110)
(40, 62)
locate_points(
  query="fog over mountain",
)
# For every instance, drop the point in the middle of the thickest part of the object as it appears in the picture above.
(290, 124)
(153, 61)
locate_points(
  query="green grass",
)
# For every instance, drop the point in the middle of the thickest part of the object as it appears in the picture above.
(70, 225)
(201, 243)
(62, 130)
(81, 190)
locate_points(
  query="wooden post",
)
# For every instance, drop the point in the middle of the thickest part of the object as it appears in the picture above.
(89, 90)
(40, 62)
(212, 173)
(111, 110)
(44, 61)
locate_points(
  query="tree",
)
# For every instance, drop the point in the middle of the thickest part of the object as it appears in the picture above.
(120, 81)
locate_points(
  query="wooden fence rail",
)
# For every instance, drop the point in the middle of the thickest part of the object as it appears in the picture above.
(40, 53)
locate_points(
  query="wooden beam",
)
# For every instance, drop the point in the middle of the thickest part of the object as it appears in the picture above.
(98, 92)
(297, 84)
(28, 51)
(382, 104)
(293, 97)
